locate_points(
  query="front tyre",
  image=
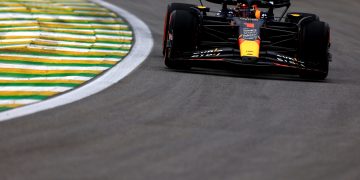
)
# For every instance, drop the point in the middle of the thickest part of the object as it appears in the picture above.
(171, 8)
(182, 37)
(314, 50)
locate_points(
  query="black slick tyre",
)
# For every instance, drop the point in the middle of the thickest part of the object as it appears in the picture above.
(182, 35)
(170, 8)
(314, 50)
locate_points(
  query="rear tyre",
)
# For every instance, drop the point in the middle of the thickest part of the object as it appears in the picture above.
(182, 35)
(170, 8)
(295, 17)
(314, 50)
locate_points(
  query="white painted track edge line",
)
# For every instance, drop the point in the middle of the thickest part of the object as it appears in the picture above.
(140, 51)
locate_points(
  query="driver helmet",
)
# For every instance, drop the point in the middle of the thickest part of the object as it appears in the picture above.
(242, 10)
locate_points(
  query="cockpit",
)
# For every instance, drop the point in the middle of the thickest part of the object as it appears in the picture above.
(245, 11)
(250, 8)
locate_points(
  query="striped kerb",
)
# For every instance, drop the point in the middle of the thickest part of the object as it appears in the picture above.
(48, 47)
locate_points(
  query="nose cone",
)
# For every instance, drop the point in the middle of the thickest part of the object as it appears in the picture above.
(249, 48)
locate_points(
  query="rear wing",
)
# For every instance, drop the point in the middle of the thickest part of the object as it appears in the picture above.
(261, 3)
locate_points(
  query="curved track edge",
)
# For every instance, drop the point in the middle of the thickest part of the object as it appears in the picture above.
(137, 56)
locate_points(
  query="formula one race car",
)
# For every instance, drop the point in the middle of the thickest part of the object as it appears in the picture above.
(247, 33)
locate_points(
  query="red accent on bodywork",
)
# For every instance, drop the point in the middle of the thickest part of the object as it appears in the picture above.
(241, 40)
(281, 65)
(250, 25)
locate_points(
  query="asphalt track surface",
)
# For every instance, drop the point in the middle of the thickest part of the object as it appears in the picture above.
(205, 124)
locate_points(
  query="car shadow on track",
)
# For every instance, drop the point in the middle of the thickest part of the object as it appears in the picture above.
(246, 73)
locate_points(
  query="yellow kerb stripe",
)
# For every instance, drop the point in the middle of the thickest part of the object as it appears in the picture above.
(43, 81)
(45, 60)
(66, 52)
(11, 105)
(19, 41)
(87, 32)
(27, 93)
(82, 26)
(22, 24)
(45, 72)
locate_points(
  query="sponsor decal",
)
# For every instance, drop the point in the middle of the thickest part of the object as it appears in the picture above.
(208, 53)
(289, 60)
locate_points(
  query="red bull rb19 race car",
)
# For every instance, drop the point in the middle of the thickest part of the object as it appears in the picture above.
(247, 33)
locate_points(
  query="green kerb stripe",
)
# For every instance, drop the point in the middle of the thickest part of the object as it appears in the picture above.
(82, 21)
(37, 97)
(58, 55)
(40, 84)
(80, 28)
(66, 31)
(54, 64)
(4, 108)
(59, 14)
(83, 47)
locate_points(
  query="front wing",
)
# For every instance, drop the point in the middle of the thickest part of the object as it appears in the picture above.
(232, 56)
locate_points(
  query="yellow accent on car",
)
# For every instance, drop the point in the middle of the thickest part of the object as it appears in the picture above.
(258, 14)
(201, 7)
(249, 49)
(296, 15)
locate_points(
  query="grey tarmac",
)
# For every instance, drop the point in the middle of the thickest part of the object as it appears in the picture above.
(159, 124)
